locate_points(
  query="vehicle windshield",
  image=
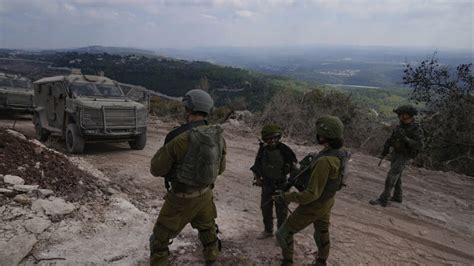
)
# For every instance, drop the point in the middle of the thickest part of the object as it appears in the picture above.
(21, 83)
(5, 83)
(95, 90)
(133, 93)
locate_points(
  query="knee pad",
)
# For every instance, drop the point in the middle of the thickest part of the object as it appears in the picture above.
(160, 239)
(209, 237)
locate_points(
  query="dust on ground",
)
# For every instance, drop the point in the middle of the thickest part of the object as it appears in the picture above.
(432, 226)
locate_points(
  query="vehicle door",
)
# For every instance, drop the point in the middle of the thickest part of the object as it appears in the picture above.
(59, 98)
(55, 104)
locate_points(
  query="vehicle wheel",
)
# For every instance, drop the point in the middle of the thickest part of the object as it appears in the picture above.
(41, 133)
(74, 140)
(139, 142)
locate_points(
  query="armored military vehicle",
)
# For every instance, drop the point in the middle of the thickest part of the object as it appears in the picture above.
(16, 93)
(87, 108)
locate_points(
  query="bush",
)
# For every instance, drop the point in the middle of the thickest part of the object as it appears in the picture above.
(297, 113)
(166, 108)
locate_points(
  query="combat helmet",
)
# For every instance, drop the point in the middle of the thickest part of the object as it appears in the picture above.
(406, 109)
(271, 130)
(198, 101)
(330, 127)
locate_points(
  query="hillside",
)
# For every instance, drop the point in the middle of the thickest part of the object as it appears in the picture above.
(228, 85)
(432, 226)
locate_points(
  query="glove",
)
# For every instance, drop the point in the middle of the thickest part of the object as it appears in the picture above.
(279, 197)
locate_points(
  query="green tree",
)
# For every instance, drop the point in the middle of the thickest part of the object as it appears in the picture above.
(447, 119)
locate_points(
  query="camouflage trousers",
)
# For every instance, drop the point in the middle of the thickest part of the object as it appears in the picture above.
(266, 205)
(175, 214)
(302, 217)
(394, 178)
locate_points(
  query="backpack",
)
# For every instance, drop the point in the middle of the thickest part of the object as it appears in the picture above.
(202, 161)
(300, 180)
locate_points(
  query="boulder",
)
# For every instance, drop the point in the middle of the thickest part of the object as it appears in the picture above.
(13, 251)
(25, 188)
(45, 192)
(22, 199)
(16, 134)
(13, 180)
(6, 191)
(37, 225)
(53, 206)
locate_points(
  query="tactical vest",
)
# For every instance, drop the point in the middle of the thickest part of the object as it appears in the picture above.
(201, 164)
(272, 164)
(399, 145)
(301, 180)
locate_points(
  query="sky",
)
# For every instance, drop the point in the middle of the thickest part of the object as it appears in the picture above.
(51, 24)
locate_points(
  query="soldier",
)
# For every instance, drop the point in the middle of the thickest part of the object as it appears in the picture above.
(273, 162)
(406, 141)
(324, 178)
(191, 158)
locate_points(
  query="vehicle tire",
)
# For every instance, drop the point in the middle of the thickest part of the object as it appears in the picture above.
(139, 142)
(74, 140)
(41, 133)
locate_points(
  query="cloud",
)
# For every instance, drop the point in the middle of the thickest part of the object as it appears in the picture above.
(244, 13)
(209, 17)
(240, 22)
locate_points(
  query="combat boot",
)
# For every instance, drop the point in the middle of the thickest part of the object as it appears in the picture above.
(319, 262)
(396, 199)
(265, 234)
(210, 262)
(286, 262)
(378, 202)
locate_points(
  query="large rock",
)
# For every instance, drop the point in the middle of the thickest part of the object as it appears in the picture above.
(22, 199)
(37, 225)
(25, 188)
(13, 180)
(16, 134)
(7, 192)
(45, 192)
(13, 251)
(53, 206)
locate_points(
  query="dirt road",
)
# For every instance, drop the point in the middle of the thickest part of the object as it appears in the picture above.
(432, 226)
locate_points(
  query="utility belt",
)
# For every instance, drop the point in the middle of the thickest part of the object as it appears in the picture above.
(194, 194)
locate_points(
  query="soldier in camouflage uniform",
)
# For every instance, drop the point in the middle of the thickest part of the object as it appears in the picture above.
(188, 201)
(316, 199)
(273, 163)
(406, 141)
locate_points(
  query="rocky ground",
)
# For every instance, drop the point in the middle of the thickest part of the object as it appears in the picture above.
(104, 212)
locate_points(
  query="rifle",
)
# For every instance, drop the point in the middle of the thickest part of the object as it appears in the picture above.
(296, 180)
(380, 162)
